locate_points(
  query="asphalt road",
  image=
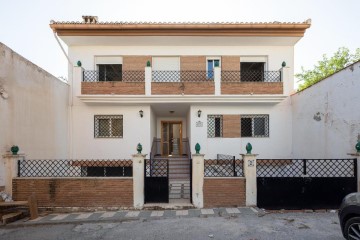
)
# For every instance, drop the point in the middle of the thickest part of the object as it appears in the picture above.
(250, 227)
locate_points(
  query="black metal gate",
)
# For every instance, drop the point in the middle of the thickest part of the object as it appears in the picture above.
(305, 183)
(156, 181)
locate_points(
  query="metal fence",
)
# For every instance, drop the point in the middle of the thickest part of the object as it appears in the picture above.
(156, 168)
(306, 167)
(123, 76)
(251, 76)
(182, 76)
(74, 168)
(224, 166)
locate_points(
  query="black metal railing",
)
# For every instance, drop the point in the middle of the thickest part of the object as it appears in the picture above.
(251, 76)
(306, 167)
(156, 168)
(182, 76)
(74, 168)
(223, 167)
(123, 76)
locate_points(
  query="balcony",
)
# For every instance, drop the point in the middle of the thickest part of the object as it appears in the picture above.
(251, 82)
(121, 83)
(182, 83)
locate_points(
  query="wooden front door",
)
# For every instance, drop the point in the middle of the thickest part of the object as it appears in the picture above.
(171, 138)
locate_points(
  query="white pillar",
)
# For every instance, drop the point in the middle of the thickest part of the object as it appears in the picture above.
(288, 82)
(148, 79)
(217, 81)
(77, 80)
(138, 180)
(357, 155)
(11, 169)
(198, 180)
(249, 161)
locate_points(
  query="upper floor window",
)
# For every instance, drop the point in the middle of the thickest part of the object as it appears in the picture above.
(254, 125)
(252, 71)
(210, 65)
(108, 126)
(110, 72)
(215, 126)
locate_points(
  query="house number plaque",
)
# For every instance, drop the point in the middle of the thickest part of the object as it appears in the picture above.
(199, 124)
(251, 163)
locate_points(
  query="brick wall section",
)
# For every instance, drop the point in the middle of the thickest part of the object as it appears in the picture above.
(230, 63)
(188, 88)
(121, 88)
(193, 63)
(231, 126)
(135, 63)
(251, 88)
(224, 192)
(76, 192)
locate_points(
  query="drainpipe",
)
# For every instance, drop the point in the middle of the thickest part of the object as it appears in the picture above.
(70, 109)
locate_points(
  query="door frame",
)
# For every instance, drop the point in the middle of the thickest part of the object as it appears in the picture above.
(161, 136)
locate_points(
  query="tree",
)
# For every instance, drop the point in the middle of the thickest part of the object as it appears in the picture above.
(327, 66)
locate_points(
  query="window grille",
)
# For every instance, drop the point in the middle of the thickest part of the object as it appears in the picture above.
(254, 125)
(215, 126)
(108, 126)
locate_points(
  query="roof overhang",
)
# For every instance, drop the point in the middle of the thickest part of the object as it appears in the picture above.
(274, 29)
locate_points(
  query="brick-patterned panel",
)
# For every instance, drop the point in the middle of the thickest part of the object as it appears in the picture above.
(121, 88)
(193, 63)
(230, 63)
(251, 88)
(189, 88)
(231, 126)
(135, 63)
(76, 192)
(224, 192)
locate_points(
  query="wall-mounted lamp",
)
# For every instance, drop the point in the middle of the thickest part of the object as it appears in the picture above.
(141, 112)
(199, 113)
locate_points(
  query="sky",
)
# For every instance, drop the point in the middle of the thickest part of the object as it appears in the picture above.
(24, 25)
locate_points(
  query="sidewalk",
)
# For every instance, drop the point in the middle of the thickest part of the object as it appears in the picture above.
(121, 216)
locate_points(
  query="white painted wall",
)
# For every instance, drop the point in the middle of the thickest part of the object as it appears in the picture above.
(336, 101)
(35, 115)
(135, 130)
(277, 145)
(153, 125)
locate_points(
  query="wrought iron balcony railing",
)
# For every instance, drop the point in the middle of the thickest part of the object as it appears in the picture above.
(182, 76)
(251, 76)
(110, 76)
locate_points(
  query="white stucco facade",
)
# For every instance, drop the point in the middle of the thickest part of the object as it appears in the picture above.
(33, 111)
(143, 130)
(326, 117)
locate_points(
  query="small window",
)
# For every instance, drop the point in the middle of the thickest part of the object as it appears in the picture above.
(108, 126)
(252, 71)
(106, 171)
(110, 72)
(254, 125)
(211, 63)
(215, 125)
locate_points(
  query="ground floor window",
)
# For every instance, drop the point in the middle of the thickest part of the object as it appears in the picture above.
(254, 125)
(106, 171)
(215, 126)
(108, 126)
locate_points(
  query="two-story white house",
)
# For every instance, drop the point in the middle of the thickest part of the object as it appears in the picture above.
(169, 86)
